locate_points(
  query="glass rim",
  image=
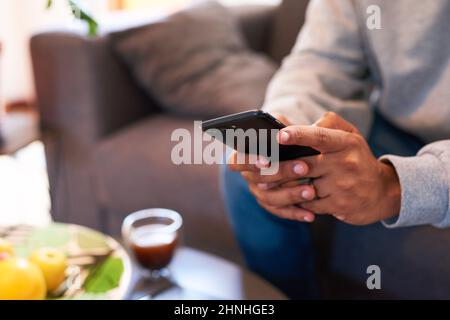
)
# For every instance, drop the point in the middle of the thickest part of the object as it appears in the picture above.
(132, 218)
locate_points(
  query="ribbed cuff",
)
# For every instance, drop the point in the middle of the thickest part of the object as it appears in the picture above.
(424, 190)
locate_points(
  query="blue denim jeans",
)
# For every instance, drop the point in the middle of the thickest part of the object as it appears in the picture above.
(280, 250)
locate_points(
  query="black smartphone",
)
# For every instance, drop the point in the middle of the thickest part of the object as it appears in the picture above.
(256, 119)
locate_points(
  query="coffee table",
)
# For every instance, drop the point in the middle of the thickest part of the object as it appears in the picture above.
(200, 275)
(197, 274)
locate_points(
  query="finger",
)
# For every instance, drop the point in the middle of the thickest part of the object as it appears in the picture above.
(241, 162)
(319, 206)
(281, 197)
(288, 171)
(291, 172)
(318, 166)
(292, 213)
(294, 183)
(290, 175)
(332, 121)
(323, 187)
(323, 139)
(282, 119)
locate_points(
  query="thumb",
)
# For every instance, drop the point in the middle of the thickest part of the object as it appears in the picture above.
(331, 120)
(282, 119)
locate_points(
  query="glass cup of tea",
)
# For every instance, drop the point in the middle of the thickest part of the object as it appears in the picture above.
(152, 235)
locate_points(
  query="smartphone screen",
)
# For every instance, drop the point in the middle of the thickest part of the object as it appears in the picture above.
(266, 128)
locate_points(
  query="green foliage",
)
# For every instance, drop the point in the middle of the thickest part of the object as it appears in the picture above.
(82, 15)
(91, 240)
(54, 236)
(105, 277)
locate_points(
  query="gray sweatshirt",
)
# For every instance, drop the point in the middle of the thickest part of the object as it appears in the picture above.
(403, 69)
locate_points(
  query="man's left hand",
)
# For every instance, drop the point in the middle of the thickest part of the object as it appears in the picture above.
(351, 184)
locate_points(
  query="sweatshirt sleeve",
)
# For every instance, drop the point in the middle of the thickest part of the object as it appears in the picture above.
(326, 71)
(425, 185)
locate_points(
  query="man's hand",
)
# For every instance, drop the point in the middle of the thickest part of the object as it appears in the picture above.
(350, 182)
(267, 188)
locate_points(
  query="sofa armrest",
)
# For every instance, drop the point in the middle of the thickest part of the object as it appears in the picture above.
(256, 22)
(83, 90)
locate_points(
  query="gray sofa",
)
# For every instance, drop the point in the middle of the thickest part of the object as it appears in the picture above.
(108, 154)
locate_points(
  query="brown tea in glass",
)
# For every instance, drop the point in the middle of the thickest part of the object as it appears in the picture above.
(152, 237)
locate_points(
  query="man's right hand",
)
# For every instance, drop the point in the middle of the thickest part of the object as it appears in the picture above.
(280, 193)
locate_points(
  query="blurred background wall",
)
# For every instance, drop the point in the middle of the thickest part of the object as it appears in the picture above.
(19, 19)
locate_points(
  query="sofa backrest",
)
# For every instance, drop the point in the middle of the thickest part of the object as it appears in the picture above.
(286, 25)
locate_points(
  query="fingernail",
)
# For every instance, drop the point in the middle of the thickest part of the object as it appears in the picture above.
(263, 186)
(284, 137)
(308, 219)
(306, 194)
(299, 169)
(262, 163)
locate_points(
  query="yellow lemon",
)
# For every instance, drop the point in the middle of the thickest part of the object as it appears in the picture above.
(20, 279)
(53, 264)
(5, 246)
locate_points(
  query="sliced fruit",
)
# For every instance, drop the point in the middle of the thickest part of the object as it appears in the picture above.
(53, 264)
(21, 280)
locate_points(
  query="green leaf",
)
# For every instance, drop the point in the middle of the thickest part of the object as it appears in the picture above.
(83, 16)
(54, 236)
(89, 239)
(106, 277)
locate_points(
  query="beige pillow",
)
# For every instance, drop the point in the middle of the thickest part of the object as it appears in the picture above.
(196, 62)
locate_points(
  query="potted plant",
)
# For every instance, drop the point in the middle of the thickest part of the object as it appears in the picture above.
(80, 14)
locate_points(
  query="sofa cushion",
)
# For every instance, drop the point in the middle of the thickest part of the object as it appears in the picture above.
(196, 62)
(414, 261)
